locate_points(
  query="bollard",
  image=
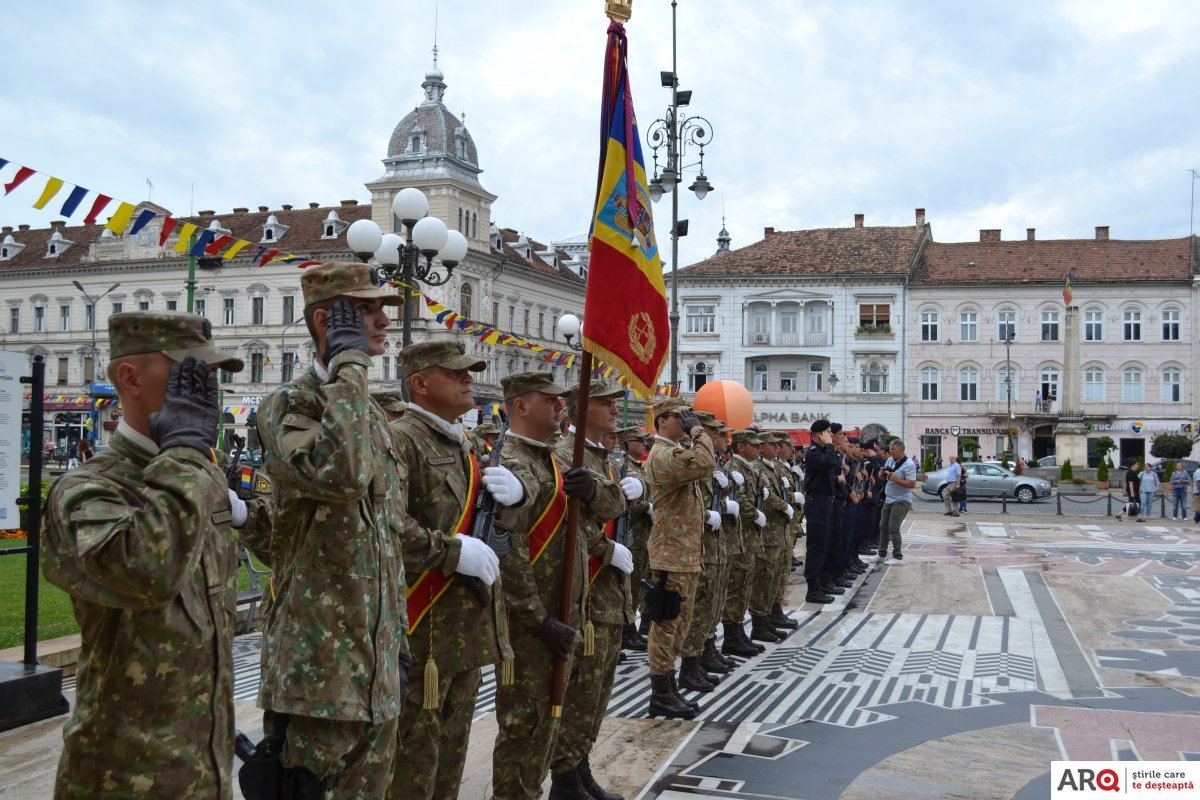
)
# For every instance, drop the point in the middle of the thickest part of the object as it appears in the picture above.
(1109, 512)
(1162, 505)
(1058, 502)
(1003, 504)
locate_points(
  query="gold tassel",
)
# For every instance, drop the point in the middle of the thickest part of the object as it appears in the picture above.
(431, 684)
(589, 639)
(508, 672)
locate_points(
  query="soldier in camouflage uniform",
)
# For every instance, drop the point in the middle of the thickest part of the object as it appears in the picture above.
(335, 658)
(772, 552)
(787, 480)
(641, 515)
(532, 578)
(674, 473)
(609, 606)
(140, 538)
(456, 626)
(482, 437)
(745, 478)
(392, 403)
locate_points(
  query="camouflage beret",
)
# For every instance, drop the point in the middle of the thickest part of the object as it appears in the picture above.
(175, 335)
(344, 279)
(597, 390)
(523, 383)
(390, 400)
(632, 432)
(485, 429)
(668, 405)
(448, 353)
(745, 437)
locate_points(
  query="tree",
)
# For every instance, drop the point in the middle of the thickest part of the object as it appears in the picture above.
(1102, 471)
(967, 444)
(1171, 445)
(927, 464)
(1102, 444)
(1066, 474)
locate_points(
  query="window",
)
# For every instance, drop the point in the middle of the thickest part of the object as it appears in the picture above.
(117, 307)
(1093, 326)
(968, 326)
(1007, 380)
(930, 380)
(699, 375)
(874, 379)
(474, 224)
(39, 319)
(877, 315)
(1049, 384)
(527, 322)
(14, 320)
(760, 376)
(496, 314)
(172, 305)
(929, 326)
(200, 307)
(466, 297)
(226, 376)
(256, 311)
(814, 376)
(760, 325)
(512, 318)
(64, 318)
(541, 331)
(289, 309)
(227, 310)
(789, 325)
(1170, 325)
(256, 367)
(1050, 319)
(968, 383)
(144, 304)
(387, 368)
(1133, 325)
(1131, 385)
(1170, 386)
(287, 370)
(89, 369)
(64, 369)
(1093, 385)
(701, 318)
(1006, 325)
(787, 381)
(89, 317)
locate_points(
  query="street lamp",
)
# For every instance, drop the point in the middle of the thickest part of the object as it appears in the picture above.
(569, 327)
(95, 303)
(1008, 340)
(400, 257)
(676, 132)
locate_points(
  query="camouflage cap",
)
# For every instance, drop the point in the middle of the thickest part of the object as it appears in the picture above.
(668, 405)
(523, 383)
(390, 400)
(175, 335)
(485, 429)
(597, 390)
(709, 420)
(344, 279)
(448, 353)
(630, 433)
(745, 437)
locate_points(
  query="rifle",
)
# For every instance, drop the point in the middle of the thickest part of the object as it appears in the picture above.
(718, 502)
(623, 533)
(232, 471)
(482, 527)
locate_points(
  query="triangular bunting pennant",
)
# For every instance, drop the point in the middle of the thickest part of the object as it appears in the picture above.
(22, 175)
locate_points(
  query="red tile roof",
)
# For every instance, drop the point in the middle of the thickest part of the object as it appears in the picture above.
(822, 251)
(509, 237)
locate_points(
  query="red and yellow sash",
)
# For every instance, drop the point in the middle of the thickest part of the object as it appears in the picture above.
(550, 519)
(595, 564)
(433, 583)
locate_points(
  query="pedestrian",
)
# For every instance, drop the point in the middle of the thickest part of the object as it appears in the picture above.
(1180, 481)
(140, 538)
(1148, 485)
(85, 451)
(72, 456)
(1196, 496)
(1131, 492)
(335, 657)
(900, 472)
(954, 483)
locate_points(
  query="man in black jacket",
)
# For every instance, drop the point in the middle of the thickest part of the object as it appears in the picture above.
(820, 486)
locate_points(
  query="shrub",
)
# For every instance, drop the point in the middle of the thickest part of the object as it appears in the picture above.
(1102, 471)
(927, 464)
(1171, 445)
(1066, 473)
(1032, 463)
(1168, 470)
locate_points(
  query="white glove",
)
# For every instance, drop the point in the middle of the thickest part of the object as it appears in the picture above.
(798, 470)
(503, 486)
(477, 560)
(714, 520)
(761, 520)
(732, 508)
(766, 493)
(789, 511)
(240, 515)
(650, 510)
(622, 559)
(632, 488)
(721, 478)
(739, 478)
(798, 497)
(786, 483)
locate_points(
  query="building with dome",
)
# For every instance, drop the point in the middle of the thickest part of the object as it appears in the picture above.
(508, 279)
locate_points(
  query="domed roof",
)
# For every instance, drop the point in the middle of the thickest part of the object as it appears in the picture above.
(432, 129)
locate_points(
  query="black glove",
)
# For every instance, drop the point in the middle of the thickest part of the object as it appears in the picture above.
(405, 666)
(190, 412)
(688, 419)
(558, 638)
(344, 330)
(580, 483)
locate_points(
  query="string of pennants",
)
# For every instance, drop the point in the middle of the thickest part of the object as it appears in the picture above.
(209, 243)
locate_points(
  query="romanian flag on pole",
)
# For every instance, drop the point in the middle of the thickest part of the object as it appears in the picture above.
(1067, 296)
(625, 322)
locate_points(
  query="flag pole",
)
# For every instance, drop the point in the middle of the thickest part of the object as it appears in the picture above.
(558, 688)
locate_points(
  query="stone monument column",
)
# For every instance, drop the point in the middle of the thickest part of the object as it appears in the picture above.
(1070, 438)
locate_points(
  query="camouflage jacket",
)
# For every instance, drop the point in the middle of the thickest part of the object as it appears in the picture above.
(142, 544)
(674, 473)
(731, 524)
(460, 633)
(533, 591)
(639, 510)
(336, 629)
(609, 600)
(712, 542)
(773, 505)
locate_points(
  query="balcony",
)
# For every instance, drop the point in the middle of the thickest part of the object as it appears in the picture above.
(790, 339)
(1048, 410)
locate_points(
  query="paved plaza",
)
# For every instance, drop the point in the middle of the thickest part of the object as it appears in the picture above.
(1004, 642)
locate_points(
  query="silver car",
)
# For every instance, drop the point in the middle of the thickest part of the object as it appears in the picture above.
(989, 480)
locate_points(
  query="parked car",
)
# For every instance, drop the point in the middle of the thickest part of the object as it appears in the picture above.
(1189, 467)
(989, 480)
(252, 457)
(1048, 461)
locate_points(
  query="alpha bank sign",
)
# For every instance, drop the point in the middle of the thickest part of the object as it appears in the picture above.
(786, 417)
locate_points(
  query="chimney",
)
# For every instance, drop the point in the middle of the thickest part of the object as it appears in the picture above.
(240, 210)
(6, 230)
(768, 231)
(858, 220)
(23, 227)
(989, 234)
(920, 217)
(264, 208)
(1030, 234)
(286, 207)
(208, 212)
(349, 203)
(314, 205)
(1101, 233)
(58, 224)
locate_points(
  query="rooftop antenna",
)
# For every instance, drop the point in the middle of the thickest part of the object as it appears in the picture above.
(435, 22)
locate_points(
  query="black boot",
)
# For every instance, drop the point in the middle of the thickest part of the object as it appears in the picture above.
(832, 588)
(693, 677)
(818, 595)
(568, 786)
(761, 631)
(778, 619)
(644, 625)
(762, 648)
(596, 790)
(733, 644)
(663, 703)
(710, 659)
(731, 663)
(692, 704)
(632, 640)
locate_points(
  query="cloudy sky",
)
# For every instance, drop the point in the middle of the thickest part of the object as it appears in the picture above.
(1056, 114)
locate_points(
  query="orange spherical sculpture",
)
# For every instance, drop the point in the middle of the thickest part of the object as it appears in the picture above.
(728, 401)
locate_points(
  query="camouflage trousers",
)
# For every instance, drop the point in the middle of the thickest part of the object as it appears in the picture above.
(432, 747)
(741, 573)
(586, 699)
(667, 637)
(767, 567)
(527, 733)
(710, 601)
(641, 558)
(360, 751)
(793, 536)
